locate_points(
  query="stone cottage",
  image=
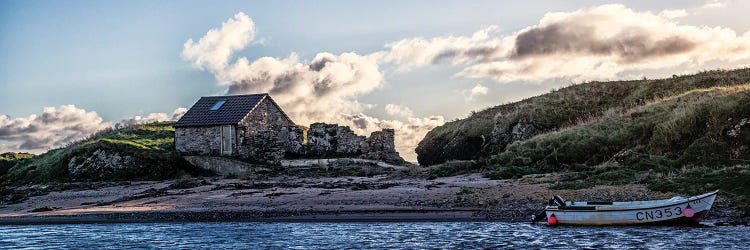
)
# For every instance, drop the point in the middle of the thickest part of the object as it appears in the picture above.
(215, 125)
(255, 129)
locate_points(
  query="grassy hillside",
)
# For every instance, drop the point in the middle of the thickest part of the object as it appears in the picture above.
(489, 131)
(140, 152)
(685, 133)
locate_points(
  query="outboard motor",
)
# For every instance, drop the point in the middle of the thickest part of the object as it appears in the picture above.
(555, 201)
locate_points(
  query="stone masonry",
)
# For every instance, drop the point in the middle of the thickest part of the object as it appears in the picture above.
(323, 141)
(198, 140)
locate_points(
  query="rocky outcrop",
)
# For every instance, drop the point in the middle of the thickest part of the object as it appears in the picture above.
(106, 164)
(452, 141)
(101, 164)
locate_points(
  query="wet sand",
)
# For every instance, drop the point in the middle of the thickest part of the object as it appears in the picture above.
(379, 198)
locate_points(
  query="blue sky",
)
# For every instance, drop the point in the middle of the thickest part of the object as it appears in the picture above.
(123, 58)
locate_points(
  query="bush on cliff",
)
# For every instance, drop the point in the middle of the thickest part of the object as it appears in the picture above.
(139, 152)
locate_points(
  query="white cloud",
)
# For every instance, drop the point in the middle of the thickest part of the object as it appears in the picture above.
(53, 128)
(477, 90)
(416, 52)
(309, 91)
(398, 110)
(214, 49)
(178, 113)
(571, 45)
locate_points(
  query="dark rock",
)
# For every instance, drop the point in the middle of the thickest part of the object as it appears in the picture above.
(277, 194)
(188, 183)
(43, 209)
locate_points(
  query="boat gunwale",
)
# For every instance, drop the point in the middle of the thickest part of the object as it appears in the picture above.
(556, 208)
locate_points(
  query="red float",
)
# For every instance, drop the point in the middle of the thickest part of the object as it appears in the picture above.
(552, 220)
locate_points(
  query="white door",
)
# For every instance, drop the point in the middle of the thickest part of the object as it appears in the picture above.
(227, 140)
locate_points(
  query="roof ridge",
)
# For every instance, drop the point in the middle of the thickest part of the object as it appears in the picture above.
(231, 112)
(258, 94)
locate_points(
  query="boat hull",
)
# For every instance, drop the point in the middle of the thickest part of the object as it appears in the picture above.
(665, 213)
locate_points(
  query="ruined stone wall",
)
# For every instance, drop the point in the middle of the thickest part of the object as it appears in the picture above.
(381, 146)
(323, 141)
(198, 140)
(331, 140)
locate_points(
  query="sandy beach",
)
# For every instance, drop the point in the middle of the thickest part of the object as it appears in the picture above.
(378, 198)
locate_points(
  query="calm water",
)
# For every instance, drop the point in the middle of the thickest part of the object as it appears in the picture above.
(366, 235)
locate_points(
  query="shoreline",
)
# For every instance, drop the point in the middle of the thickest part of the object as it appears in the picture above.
(313, 199)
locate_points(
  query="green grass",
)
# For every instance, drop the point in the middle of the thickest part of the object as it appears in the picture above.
(687, 130)
(150, 148)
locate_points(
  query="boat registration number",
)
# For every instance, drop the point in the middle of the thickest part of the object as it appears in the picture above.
(656, 214)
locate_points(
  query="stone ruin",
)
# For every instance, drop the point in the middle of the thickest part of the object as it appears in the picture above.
(319, 142)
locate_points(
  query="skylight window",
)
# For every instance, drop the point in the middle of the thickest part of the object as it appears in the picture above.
(218, 105)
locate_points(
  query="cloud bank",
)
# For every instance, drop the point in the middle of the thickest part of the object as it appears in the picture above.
(596, 43)
(55, 127)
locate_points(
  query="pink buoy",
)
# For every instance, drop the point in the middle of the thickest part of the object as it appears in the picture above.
(552, 220)
(689, 212)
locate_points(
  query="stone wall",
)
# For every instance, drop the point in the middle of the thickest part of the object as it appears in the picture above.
(198, 140)
(221, 165)
(331, 140)
(381, 146)
(323, 141)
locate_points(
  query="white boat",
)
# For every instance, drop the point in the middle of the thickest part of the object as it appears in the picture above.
(677, 210)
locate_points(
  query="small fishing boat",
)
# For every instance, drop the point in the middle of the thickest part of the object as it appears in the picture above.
(677, 210)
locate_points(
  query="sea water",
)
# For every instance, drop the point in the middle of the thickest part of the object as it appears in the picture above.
(381, 235)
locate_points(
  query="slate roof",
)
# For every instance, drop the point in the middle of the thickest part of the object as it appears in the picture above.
(234, 109)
